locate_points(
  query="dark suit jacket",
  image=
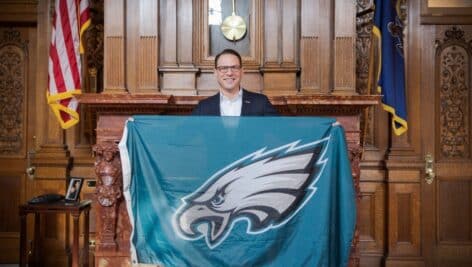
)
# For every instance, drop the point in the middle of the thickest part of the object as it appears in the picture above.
(254, 104)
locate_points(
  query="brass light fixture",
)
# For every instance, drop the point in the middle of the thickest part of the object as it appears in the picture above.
(233, 27)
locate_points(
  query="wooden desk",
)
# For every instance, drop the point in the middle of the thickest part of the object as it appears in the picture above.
(74, 209)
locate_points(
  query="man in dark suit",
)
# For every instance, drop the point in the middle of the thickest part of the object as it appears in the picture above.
(233, 100)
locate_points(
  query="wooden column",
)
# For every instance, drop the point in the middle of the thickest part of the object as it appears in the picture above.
(52, 159)
(114, 80)
(315, 43)
(142, 46)
(177, 68)
(280, 65)
(344, 47)
(404, 164)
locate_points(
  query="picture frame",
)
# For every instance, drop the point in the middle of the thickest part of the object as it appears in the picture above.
(73, 189)
(446, 12)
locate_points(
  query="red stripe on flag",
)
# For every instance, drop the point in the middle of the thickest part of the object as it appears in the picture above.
(84, 14)
(58, 76)
(65, 116)
(69, 42)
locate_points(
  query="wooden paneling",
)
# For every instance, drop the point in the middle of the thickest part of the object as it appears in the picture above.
(114, 65)
(180, 81)
(185, 30)
(290, 33)
(344, 43)
(11, 192)
(344, 81)
(114, 39)
(168, 21)
(372, 218)
(280, 41)
(177, 67)
(20, 11)
(447, 200)
(147, 81)
(271, 31)
(454, 211)
(404, 220)
(310, 56)
(310, 65)
(142, 46)
(316, 46)
(252, 81)
(13, 101)
(16, 76)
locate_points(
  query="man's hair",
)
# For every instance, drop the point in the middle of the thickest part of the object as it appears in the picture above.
(229, 52)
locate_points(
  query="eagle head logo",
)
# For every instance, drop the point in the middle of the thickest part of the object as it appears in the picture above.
(264, 188)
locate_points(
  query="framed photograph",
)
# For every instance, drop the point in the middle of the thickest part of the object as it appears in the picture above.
(73, 190)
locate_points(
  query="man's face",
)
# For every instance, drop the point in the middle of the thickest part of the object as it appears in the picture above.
(229, 73)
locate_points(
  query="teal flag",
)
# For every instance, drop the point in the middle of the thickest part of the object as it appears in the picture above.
(238, 191)
(388, 28)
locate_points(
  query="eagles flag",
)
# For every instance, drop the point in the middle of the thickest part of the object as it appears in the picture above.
(238, 191)
(388, 29)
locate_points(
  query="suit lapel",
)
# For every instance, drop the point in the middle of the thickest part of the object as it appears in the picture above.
(247, 103)
(215, 105)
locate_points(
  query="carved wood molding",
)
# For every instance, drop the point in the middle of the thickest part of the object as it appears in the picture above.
(355, 155)
(108, 193)
(13, 76)
(454, 55)
(309, 105)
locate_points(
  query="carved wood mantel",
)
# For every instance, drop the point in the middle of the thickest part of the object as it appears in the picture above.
(110, 111)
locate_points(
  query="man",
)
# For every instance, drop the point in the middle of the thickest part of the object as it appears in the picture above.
(232, 100)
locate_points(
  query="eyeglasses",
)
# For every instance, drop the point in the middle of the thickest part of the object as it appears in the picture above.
(225, 69)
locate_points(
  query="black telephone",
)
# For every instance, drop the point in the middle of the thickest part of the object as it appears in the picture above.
(46, 198)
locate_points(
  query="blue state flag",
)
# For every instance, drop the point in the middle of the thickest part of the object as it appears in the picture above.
(238, 191)
(388, 28)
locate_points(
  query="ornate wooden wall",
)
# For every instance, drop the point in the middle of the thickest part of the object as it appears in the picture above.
(290, 51)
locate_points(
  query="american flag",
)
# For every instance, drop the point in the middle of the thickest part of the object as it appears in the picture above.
(71, 19)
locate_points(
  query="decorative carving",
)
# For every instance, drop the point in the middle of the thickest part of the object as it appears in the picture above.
(108, 191)
(13, 36)
(364, 81)
(403, 11)
(363, 46)
(93, 39)
(94, 46)
(355, 155)
(454, 34)
(13, 56)
(453, 54)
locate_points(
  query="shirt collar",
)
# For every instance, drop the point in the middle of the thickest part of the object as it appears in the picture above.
(239, 97)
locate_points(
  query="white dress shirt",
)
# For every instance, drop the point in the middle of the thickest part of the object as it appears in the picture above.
(231, 107)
